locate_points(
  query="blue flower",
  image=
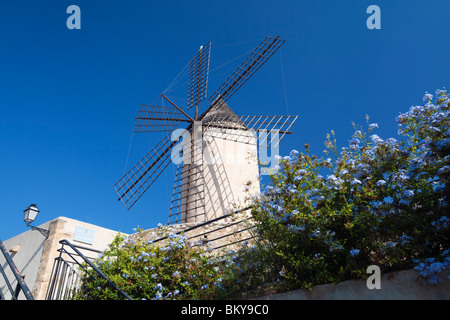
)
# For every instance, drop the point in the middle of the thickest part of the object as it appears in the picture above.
(203, 287)
(176, 274)
(159, 287)
(430, 269)
(408, 193)
(441, 92)
(404, 239)
(331, 177)
(380, 183)
(377, 204)
(391, 141)
(441, 223)
(417, 163)
(388, 200)
(277, 207)
(335, 246)
(389, 244)
(354, 252)
(405, 202)
(428, 97)
(373, 126)
(295, 228)
(376, 139)
(444, 169)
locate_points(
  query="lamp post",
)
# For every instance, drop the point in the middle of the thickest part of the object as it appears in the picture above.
(29, 215)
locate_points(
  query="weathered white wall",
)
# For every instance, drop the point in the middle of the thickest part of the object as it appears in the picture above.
(28, 247)
(36, 254)
(231, 176)
(401, 285)
(227, 175)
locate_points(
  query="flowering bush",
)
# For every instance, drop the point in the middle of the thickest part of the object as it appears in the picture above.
(378, 201)
(175, 270)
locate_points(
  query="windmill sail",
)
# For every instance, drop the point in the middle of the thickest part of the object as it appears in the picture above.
(157, 119)
(198, 76)
(136, 181)
(247, 69)
(256, 130)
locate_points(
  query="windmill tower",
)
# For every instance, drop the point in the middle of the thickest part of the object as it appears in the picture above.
(216, 152)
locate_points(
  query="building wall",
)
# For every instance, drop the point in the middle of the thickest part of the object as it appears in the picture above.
(231, 175)
(401, 285)
(36, 254)
(26, 252)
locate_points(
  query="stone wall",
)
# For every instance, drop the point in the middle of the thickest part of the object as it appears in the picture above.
(227, 234)
(34, 254)
(401, 285)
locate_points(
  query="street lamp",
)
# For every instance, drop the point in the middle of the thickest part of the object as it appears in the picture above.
(29, 215)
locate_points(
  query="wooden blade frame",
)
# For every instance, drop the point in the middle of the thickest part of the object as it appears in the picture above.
(136, 181)
(198, 77)
(255, 130)
(247, 69)
(157, 119)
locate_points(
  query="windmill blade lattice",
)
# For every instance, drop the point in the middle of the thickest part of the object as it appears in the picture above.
(139, 178)
(198, 76)
(254, 130)
(157, 119)
(247, 69)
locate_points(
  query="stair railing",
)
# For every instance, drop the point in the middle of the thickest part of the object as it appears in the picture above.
(21, 285)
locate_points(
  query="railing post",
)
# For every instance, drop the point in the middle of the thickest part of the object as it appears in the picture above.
(97, 270)
(16, 293)
(19, 278)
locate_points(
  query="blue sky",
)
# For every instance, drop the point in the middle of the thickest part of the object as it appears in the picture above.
(68, 98)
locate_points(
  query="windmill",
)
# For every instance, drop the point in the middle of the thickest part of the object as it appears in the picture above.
(205, 185)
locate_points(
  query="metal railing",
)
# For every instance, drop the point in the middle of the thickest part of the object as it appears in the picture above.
(66, 277)
(21, 285)
(223, 240)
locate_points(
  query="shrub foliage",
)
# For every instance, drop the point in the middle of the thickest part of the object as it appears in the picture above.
(321, 220)
(376, 201)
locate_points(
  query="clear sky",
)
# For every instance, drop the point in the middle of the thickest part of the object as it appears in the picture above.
(68, 98)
